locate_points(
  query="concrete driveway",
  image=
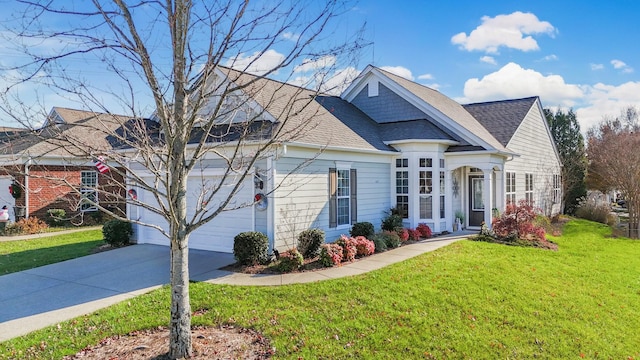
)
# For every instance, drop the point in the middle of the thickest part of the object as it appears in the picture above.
(33, 299)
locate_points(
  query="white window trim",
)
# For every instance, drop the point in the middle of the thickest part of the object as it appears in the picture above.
(528, 187)
(510, 194)
(88, 189)
(343, 166)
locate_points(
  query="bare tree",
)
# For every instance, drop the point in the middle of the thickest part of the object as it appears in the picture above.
(191, 61)
(613, 162)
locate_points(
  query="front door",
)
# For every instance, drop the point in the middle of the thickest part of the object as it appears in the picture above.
(476, 200)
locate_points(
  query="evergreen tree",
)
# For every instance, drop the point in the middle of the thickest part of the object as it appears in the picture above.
(570, 144)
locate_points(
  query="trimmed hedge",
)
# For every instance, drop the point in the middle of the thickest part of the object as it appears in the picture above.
(309, 242)
(250, 248)
(117, 232)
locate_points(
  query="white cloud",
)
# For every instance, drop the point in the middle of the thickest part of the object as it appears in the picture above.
(551, 57)
(621, 65)
(339, 80)
(425, 77)
(291, 36)
(595, 67)
(513, 81)
(400, 71)
(489, 60)
(607, 100)
(314, 65)
(258, 63)
(512, 31)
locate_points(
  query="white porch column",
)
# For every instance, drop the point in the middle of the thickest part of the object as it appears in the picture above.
(488, 195)
(448, 200)
(499, 190)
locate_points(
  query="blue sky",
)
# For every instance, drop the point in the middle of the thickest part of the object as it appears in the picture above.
(579, 54)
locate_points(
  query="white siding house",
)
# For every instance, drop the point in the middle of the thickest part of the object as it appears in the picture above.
(385, 142)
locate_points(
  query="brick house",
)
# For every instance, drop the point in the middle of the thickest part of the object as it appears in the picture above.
(51, 174)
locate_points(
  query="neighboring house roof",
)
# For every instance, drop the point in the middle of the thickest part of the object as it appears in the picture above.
(502, 118)
(67, 133)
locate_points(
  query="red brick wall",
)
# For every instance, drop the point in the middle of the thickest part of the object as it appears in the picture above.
(50, 188)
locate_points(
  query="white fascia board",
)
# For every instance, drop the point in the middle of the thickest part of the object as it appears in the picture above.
(356, 85)
(422, 141)
(482, 152)
(340, 148)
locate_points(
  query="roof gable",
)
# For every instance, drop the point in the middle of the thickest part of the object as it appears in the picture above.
(501, 118)
(442, 110)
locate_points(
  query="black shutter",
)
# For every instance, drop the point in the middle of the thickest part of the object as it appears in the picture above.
(354, 196)
(333, 202)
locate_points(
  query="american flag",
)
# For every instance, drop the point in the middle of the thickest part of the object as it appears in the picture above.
(99, 163)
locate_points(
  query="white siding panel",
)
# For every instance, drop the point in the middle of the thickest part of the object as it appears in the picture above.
(537, 156)
(303, 198)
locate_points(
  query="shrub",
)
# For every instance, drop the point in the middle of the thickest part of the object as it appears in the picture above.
(309, 242)
(364, 246)
(516, 225)
(362, 229)
(392, 222)
(290, 260)
(404, 235)
(391, 239)
(250, 248)
(380, 243)
(117, 232)
(590, 209)
(348, 245)
(330, 255)
(28, 226)
(56, 217)
(424, 230)
(414, 235)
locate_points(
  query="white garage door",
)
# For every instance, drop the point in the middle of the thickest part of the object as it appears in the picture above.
(217, 234)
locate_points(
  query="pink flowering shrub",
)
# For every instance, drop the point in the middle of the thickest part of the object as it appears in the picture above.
(424, 230)
(330, 255)
(348, 245)
(414, 235)
(364, 246)
(404, 235)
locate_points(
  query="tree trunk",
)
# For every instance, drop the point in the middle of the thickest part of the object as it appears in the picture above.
(180, 330)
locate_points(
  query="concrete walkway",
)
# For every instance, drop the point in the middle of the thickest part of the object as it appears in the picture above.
(36, 298)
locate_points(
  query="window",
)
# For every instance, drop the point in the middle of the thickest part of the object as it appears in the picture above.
(342, 197)
(425, 188)
(510, 190)
(402, 187)
(557, 184)
(88, 190)
(528, 188)
(441, 194)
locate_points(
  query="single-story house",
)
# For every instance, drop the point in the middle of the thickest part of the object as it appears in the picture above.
(46, 168)
(384, 142)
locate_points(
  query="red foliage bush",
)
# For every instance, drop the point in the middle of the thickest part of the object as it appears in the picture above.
(414, 235)
(516, 224)
(364, 246)
(425, 230)
(517, 221)
(404, 235)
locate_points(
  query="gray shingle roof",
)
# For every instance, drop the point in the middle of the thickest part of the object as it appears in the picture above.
(415, 130)
(501, 118)
(305, 117)
(83, 132)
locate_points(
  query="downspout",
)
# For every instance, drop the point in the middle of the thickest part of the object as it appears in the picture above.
(26, 187)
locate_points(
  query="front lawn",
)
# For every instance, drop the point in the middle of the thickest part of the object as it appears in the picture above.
(467, 300)
(27, 254)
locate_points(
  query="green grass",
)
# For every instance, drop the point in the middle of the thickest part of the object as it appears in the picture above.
(27, 254)
(467, 300)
